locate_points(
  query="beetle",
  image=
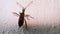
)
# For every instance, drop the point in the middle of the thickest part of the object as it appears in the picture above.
(22, 15)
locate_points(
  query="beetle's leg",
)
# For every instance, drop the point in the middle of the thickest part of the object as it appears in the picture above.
(16, 13)
(25, 23)
(27, 16)
(30, 16)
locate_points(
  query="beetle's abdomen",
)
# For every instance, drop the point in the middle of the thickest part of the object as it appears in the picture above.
(20, 23)
(21, 20)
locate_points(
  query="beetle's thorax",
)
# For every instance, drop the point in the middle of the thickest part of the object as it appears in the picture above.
(23, 10)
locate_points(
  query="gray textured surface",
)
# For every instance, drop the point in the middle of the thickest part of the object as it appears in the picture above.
(31, 30)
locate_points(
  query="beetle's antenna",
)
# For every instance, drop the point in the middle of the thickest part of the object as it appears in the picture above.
(29, 4)
(26, 6)
(20, 5)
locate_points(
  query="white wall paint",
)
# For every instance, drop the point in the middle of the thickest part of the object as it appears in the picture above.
(43, 11)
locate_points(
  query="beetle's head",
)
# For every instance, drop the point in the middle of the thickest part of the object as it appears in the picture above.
(23, 10)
